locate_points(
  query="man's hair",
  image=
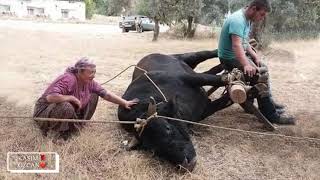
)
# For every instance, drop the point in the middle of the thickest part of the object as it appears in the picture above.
(261, 4)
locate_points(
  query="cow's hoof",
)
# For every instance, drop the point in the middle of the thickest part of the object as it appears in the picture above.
(188, 166)
(132, 145)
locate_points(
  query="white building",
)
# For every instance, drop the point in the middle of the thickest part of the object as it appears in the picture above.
(52, 9)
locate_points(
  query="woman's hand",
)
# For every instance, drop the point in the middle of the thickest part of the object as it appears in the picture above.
(75, 101)
(130, 103)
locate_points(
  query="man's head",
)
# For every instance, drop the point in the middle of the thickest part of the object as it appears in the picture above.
(257, 10)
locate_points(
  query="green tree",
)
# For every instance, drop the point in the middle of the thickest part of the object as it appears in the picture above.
(161, 11)
(90, 7)
(101, 7)
(189, 10)
(213, 11)
(116, 7)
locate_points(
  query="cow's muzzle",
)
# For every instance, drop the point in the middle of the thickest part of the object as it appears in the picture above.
(188, 165)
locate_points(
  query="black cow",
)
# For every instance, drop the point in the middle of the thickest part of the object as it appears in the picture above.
(187, 99)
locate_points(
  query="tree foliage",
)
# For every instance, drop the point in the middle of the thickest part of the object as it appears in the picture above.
(213, 11)
(287, 16)
(189, 11)
(118, 7)
(161, 11)
(90, 8)
(101, 6)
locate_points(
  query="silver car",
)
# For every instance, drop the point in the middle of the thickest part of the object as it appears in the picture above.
(145, 24)
(136, 23)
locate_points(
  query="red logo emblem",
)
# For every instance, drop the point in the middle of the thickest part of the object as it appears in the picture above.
(42, 163)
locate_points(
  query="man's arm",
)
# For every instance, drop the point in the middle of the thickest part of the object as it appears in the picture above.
(254, 55)
(241, 56)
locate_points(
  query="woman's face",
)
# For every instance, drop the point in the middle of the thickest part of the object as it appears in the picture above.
(87, 74)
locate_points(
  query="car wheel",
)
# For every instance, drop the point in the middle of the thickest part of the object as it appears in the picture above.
(124, 30)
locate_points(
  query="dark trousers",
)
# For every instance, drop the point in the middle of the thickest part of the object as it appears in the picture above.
(64, 110)
(265, 103)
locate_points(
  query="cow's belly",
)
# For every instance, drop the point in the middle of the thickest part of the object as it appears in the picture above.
(191, 101)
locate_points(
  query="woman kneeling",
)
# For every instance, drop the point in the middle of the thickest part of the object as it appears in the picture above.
(73, 95)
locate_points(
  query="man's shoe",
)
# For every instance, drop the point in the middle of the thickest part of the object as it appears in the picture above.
(280, 111)
(278, 106)
(285, 120)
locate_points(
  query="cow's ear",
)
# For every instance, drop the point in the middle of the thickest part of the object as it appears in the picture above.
(152, 107)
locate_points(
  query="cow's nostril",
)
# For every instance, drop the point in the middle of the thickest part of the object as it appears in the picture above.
(186, 165)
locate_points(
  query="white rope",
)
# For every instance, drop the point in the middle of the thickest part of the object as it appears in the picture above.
(144, 73)
(169, 118)
(239, 130)
(66, 120)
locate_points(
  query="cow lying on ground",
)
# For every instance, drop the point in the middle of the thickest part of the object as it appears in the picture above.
(187, 99)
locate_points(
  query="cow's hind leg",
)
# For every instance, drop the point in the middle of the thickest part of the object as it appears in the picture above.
(195, 58)
(215, 70)
(202, 79)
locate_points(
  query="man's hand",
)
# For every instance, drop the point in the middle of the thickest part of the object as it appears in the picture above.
(130, 103)
(257, 61)
(249, 70)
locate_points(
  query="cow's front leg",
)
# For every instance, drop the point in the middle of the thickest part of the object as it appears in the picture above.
(223, 102)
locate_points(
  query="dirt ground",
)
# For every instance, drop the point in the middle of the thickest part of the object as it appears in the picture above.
(30, 59)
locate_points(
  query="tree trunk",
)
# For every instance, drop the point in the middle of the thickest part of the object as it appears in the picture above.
(189, 34)
(156, 30)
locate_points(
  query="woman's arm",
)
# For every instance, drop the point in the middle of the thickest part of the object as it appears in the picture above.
(58, 98)
(120, 101)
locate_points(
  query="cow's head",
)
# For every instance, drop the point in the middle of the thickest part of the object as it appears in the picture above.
(168, 139)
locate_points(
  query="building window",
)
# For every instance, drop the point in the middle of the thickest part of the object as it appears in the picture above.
(65, 13)
(41, 11)
(4, 8)
(30, 11)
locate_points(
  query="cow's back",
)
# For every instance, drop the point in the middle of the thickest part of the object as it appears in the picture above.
(161, 62)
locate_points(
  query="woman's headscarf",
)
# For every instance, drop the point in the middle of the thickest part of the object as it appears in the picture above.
(82, 63)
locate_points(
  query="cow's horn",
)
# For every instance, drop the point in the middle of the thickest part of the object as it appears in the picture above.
(152, 108)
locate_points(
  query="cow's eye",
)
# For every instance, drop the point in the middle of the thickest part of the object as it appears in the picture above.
(168, 129)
